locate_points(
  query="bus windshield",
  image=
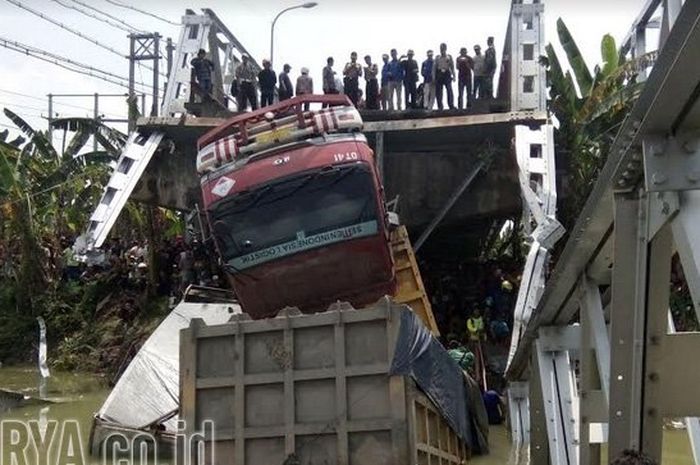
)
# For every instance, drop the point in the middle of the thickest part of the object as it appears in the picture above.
(307, 211)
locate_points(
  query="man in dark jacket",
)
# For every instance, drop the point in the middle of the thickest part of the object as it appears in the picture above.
(286, 90)
(267, 79)
(465, 64)
(410, 78)
(491, 65)
(203, 67)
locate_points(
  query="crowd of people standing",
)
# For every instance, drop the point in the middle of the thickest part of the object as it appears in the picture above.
(398, 82)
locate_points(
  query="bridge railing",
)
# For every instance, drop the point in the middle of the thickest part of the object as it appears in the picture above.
(597, 361)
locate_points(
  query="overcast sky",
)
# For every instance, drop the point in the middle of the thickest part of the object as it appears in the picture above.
(303, 38)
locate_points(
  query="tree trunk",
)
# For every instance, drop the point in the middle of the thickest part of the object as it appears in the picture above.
(30, 276)
(153, 246)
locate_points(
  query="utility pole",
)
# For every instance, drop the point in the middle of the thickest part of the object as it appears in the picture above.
(96, 115)
(50, 118)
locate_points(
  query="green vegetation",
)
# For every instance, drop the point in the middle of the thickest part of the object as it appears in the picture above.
(589, 108)
(47, 194)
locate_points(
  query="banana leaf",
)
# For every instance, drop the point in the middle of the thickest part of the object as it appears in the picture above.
(578, 65)
(611, 58)
(109, 138)
(41, 142)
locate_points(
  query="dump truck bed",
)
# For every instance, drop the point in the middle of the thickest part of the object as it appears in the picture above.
(341, 387)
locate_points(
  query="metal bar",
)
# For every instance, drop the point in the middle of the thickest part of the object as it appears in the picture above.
(50, 118)
(379, 155)
(557, 401)
(658, 291)
(96, 116)
(627, 323)
(645, 15)
(539, 445)
(691, 423)
(593, 318)
(156, 74)
(132, 78)
(89, 95)
(669, 86)
(589, 453)
(448, 205)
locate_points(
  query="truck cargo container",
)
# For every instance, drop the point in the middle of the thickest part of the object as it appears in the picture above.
(342, 387)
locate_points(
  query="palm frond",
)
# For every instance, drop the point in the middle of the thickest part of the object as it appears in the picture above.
(578, 64)
(41, 142)
(111, 139)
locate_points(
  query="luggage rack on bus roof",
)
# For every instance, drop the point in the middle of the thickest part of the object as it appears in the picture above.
(247, 134)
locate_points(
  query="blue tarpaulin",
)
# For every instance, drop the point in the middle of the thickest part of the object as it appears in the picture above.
(419, 355)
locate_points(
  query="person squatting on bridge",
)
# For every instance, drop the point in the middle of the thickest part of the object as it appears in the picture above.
(246, 78)
(202, 68)
(351, 79)
(267, 79)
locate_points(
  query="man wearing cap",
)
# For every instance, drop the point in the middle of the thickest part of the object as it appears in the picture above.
(202, 67)
(385, 82)
(371, 85)
(305, 85)
(246, 77)
(426, 71)
(285, 90)
(464, 78)
(480, 73)
(444, 74)
(351, 78)
(410, 73)
(267, 78)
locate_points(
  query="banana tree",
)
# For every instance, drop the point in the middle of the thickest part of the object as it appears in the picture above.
(45, 194)
(589, 107)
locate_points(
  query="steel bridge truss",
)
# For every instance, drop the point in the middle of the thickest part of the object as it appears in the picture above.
(596, 358)
(202, 31)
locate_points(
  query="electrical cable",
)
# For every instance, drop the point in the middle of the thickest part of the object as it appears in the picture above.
(58, 103)
(107, 15)
(18, 105)
(71, 65)
(39, 51)
(68, 67)
(70, 29)
(94, 16)
(129, 7)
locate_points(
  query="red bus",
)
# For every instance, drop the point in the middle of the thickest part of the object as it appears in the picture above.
(296, 207)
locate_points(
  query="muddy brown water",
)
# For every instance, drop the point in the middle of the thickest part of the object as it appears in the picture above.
(77, 396)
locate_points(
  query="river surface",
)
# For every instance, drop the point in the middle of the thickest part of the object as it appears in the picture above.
(77, 396)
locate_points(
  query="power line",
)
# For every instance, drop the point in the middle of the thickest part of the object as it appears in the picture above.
(129, 7)
(90, 7)
(56, 102)
(56, 59)
(22, 106)
(67, 28)
(70, 29)
(39, 51)
(93, 16)
(58, 62)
